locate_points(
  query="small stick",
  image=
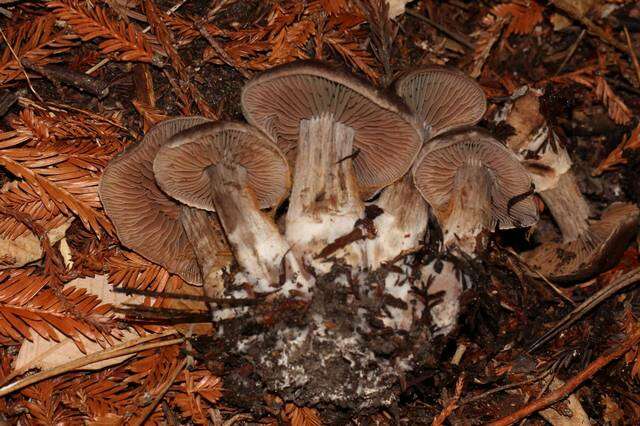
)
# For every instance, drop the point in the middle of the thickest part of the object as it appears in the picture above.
(451, 405)
(163, 390)
(568, 388)
(455, 36)
(632, 53)
(227, 301)
(222, 54)
(483, 395)
(13, 53)
(626, 280)
(116, 351)
(572, 50)
(80, 81)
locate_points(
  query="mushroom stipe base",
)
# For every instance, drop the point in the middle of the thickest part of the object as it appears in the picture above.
(334, 351)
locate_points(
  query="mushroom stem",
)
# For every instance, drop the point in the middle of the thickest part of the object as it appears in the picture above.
(211, 252)
(401, 227)
(325, 202)
(254, 237)
(469, 208)
(568, 207)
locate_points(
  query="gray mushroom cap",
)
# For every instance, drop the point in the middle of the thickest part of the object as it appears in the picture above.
(387, 138)
(442, 99)
(146, 219)
(181, 166)
(509, 189)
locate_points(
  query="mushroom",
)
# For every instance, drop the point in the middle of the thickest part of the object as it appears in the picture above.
(599, 248)
(185, 241)
(234, 170)
(441, 99)
(473, 183)
(584, 251)
(348, 140)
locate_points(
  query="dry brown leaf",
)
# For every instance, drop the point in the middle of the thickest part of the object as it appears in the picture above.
(523, 16)
(615, 157)
(27, 248)
(46, 354)
(37, 41)
(396, 7)
(301, 416)
(125, 40)
(616, 108)
(485, 38)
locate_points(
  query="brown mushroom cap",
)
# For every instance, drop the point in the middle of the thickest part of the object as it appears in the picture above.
(443, 99)
(387, 139)
(146, 219)
(181, 166)
(510, 186)
(597, 250)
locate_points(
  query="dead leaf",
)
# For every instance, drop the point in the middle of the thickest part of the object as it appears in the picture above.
(570, 414)
(46, 354)
(396, 7)
(27, 248)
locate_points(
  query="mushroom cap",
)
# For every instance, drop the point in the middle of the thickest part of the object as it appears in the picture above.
(443, 99)
(180, 167)
(146, 219)
(510, 189)
(387, 139)
(598, 250)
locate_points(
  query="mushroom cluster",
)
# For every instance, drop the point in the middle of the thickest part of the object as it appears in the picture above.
(323, 199)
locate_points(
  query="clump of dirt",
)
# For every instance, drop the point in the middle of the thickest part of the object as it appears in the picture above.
(337, 351)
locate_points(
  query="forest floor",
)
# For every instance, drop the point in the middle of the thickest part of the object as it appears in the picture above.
(80, 81)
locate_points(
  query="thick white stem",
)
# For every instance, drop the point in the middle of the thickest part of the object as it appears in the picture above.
(254, 237)
(568, 207)
(210, 248)
(468, 209)
(325, 201)
(402, 225)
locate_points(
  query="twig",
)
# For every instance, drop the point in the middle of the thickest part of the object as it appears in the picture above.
(116, 351)
(80, 81)
(97, 66)
(626, 280)
(522, 264)
(19, 63)
(451, 405)
(455, 36)
(222, 54)
(632, 53)
(567, 6)
(568, 388)
(572, 50)
(163, 390)
(227, 301)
